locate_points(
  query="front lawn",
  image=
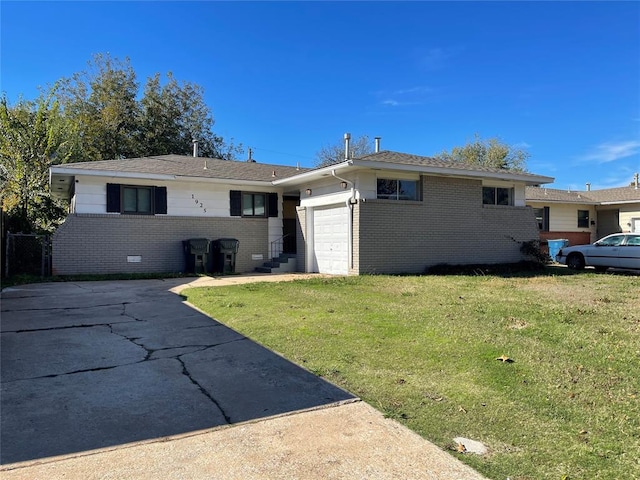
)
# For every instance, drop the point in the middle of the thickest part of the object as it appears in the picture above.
(424, 350)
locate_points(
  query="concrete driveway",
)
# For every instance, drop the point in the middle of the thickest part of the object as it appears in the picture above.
(92, 364)
(125, 380)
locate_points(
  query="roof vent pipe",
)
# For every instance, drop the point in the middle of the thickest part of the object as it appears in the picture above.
(347, 137)
(195, 147)
(377, 139)
(635, 180)
(588, 187)
(250, 158)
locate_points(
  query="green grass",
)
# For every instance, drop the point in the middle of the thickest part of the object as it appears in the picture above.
(423, 351)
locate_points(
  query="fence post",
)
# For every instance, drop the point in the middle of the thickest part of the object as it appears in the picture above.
(6, 255)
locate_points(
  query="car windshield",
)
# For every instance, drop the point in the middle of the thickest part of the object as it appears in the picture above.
(610, 241)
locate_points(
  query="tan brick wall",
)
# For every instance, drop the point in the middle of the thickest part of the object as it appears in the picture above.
(100, 244)
(449, 226)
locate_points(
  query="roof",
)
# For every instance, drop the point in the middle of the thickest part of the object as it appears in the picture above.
(557, 196)
(628, 194)
(184, 166)
(416, 163)
(175, 167)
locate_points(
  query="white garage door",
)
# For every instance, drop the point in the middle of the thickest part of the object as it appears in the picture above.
(331, 240)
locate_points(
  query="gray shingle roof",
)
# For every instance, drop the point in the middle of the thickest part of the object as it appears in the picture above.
(399, 158)
(187, 166)
(621, 194)
(592, 197)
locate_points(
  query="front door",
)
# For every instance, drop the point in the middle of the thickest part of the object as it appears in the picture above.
(289, 223)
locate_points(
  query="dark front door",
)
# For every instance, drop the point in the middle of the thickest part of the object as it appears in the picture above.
(289, 224)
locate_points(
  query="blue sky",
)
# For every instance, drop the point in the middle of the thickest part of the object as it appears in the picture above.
(560, 79)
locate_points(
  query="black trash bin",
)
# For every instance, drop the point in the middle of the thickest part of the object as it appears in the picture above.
(224, 255)
(196, 251)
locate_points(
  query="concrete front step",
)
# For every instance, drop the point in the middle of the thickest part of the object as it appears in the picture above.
(284, 263)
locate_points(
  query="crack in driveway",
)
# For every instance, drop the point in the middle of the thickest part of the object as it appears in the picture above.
(135, 370)
(204, 391)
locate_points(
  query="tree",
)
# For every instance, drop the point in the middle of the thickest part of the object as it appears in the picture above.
(32, 137)
(110, 122)
(488, 153)
(334, 153)
(173, 115)
(101, 104)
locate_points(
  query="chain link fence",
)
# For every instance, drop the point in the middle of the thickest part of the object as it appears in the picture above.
(27, 254)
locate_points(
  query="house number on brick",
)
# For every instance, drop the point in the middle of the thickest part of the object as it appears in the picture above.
(198, 203)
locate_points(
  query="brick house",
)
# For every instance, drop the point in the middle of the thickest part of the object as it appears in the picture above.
(387, 212)
(582, 217)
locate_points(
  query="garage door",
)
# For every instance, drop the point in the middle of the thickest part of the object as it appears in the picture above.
(331, 240)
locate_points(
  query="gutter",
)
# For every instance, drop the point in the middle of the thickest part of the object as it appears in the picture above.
(350, 202)
(312, 174)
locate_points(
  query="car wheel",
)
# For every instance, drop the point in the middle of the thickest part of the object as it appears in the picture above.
(575, 261)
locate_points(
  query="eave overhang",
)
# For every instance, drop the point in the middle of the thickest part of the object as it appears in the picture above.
(353, 165)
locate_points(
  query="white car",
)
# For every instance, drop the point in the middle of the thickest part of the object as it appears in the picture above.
(620, 250)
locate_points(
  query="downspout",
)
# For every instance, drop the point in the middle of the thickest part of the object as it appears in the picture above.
(350, 202)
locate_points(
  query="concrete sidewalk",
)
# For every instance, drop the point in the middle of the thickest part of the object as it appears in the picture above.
(105, 380)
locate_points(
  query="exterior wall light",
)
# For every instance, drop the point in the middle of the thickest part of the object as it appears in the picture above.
(308, 191)
(343, 185)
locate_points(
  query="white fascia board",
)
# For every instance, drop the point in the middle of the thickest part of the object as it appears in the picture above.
(565, 202)
(109, 173)
(428, 169)
(622, 202)
(313, 174)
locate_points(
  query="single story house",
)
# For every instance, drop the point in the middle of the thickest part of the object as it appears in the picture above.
(386, 212)
(582, 217)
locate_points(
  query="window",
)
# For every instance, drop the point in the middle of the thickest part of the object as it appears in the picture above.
(542, 218)
(136, 200)
(583, 218)
(397, 189)
(251, 204)
(497, 196)
(633, 240)
(612, 241)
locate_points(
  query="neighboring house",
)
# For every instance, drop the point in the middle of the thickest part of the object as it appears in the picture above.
(584, 216)
(387, 212)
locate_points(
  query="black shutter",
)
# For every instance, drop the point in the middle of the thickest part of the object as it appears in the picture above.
(273, 205)
(545, 220)
(235, 201)
(160, 205)
(113, 197)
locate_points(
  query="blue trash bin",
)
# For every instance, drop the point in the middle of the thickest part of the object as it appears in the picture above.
(555, 246)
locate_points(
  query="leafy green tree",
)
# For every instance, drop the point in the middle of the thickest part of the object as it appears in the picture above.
(173, 115)
(491, 153)
(101, 104)
(32, 138)
(110, 122)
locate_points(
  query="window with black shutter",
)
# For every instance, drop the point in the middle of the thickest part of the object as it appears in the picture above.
(252, 204)
(136, 200)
